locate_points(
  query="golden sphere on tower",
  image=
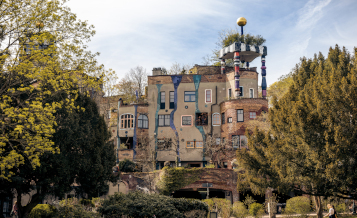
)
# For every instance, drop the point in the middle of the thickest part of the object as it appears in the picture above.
(241, 21)
(39, 24)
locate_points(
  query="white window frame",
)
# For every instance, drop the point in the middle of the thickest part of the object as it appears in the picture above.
(206, 95)
(251, 92)
(121, 119)
(220, 121)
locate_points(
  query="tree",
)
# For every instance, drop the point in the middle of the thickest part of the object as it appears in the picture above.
(228, 37)
(311, 144)
(280, 87)
(86, 158)
(42, 53)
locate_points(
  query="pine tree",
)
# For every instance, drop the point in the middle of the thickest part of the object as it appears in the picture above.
(311, 146)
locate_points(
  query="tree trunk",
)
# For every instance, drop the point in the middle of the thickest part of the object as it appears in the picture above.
(318, 206)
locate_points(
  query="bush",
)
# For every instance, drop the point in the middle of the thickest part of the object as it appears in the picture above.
(42, 211)
(221, 206)
(240, 210)
(256, 210)
(127, 166)
(72, 207)
(299, 205)
(340, 208)
(137, 204)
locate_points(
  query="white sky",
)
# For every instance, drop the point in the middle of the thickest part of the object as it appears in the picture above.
(158, 33)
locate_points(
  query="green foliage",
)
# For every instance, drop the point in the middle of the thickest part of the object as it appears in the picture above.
(299, 205)
(86, 202)
(312, 141)
(222, 206)
(127, 166)
(341, 208)
(210, 166)
(137, 204)
(240, 210)
(172, 179)
(71, 210)
(249, 200)
(280, 87)
(42, 211)
(256, 210)
(230, 36)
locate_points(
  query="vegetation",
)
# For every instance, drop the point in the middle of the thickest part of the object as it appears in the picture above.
(172, 179)
(256, 210)
(42, 53)
(221, 206)
(86, 157)
(298, 205)
(311, 144)
(43, 211)
(240, 210)
(230, 36)
(127, 166)
(137, 204)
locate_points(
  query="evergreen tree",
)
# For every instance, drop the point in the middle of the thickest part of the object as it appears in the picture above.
(85, 160)
(311, 146)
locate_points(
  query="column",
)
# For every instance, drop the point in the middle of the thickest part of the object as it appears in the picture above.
(264, 73)
(223, 66)
(236, 75)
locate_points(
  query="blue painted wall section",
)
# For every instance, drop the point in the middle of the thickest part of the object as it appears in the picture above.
(135, 138)
(176, 80)
(197, 80)
(157, 120)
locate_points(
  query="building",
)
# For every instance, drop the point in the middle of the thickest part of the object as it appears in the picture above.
(186, 114)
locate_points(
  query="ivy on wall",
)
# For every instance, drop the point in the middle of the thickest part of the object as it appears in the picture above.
(173, 179)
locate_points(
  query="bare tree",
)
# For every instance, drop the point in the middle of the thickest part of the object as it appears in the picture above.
(219, 151)
(138, 77)
(177, 69)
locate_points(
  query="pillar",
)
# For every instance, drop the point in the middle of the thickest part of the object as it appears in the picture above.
(223, 66)
(236, 75)
(264, 73)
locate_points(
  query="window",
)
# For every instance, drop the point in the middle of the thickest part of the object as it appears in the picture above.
(172, 100)
(194, 144)
(241, 91)
(240, 115)
(186, 121)
(230, 120)
(251, 93)
(164, 120)
(190, 144)
(190, 96)
(235, 141)
(239, 141)
(225, 165)
(223, 140)
(201, 119)
(143, 121)
(162, 100)
(164, 144)
(127, 121)
(216, 120)
(229, 93)
(218, 141)
(208, 95)
(252, 115)
(223, 119)
(109, 114)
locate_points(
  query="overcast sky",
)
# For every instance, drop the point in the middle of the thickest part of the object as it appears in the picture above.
(158, 33)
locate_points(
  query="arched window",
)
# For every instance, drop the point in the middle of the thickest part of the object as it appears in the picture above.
(216, 119)
(127, 121)
(143, 121)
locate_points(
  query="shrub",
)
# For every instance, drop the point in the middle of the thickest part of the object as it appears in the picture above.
(221, 206)
(340, 208)
(299, 205)
(240, 210)
(127, 166)
(256, 209)
(137, 204)
(72, 207)
(42, 211)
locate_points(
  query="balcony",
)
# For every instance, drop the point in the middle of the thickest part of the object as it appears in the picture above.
(126, 154)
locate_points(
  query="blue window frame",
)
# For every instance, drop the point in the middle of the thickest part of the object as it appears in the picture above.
(190, 96)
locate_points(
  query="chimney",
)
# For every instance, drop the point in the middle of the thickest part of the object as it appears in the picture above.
(156, 71)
